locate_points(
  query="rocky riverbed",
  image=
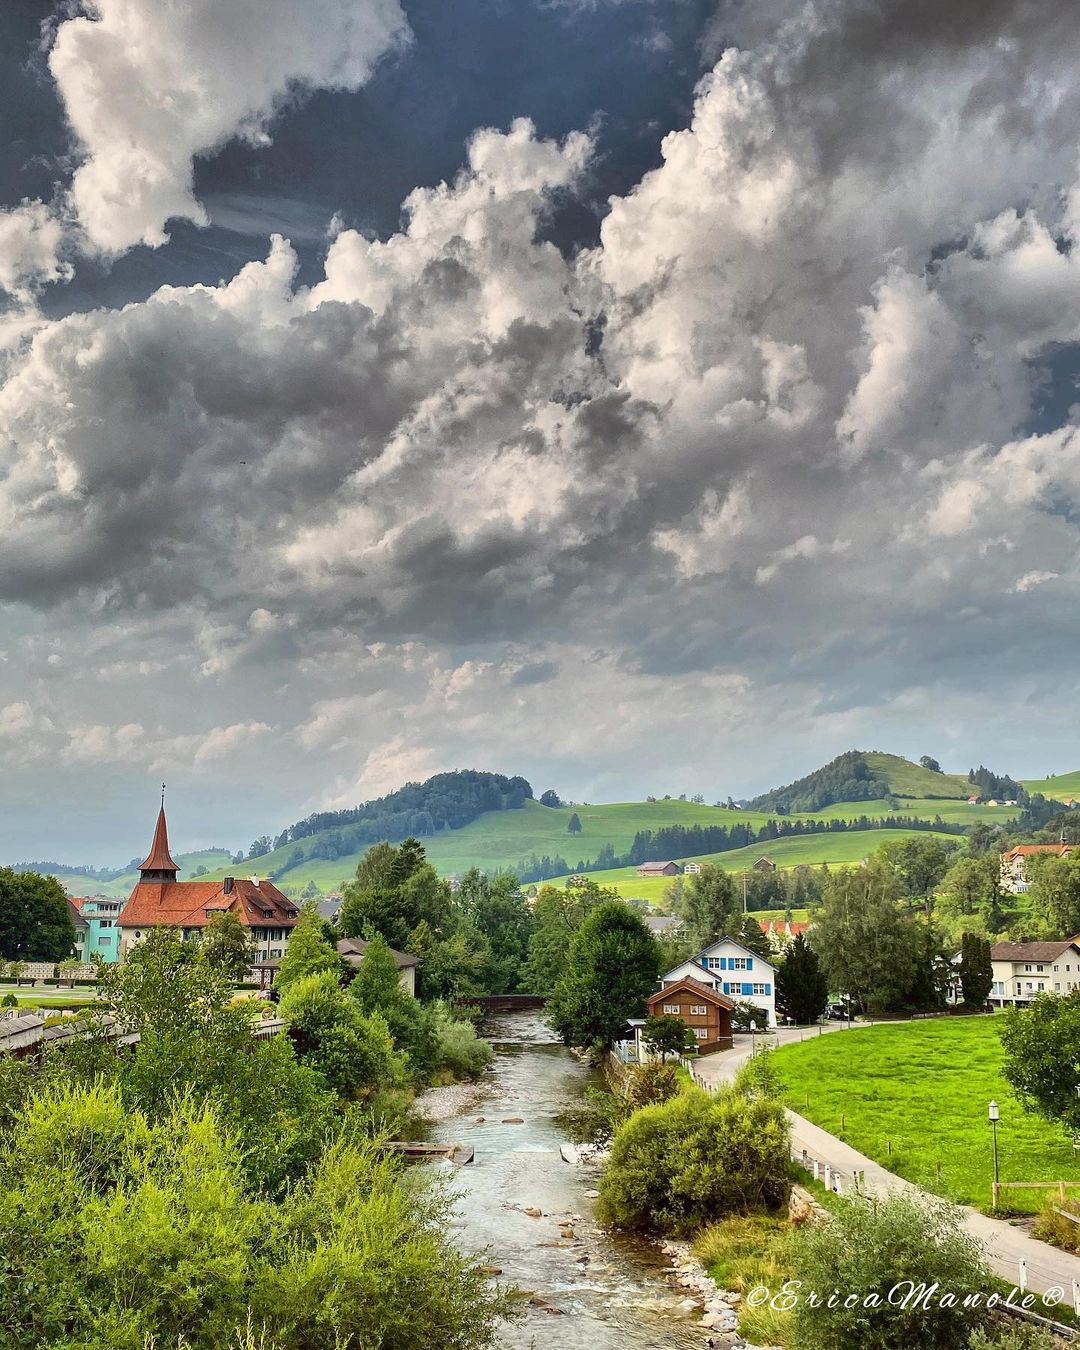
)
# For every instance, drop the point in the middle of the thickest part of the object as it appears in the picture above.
(720, 1317)
(455, 1099)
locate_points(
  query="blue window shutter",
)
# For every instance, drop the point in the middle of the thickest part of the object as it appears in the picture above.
(723, 963)
(768, 991)
(748, 988)
(749, 963)
(727, 987)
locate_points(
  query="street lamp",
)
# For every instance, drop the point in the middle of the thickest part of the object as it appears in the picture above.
(994, 1123)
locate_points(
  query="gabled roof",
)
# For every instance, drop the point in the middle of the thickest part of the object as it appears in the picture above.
(184, 904)
(1029, 951)
(159, 858)
(1024, 850)
(353, 949)
(720, 941)
(656, 866)
(695, 987)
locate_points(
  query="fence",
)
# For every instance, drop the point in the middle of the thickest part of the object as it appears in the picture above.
(996, 1187)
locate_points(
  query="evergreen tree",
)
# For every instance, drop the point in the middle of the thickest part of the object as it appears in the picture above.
(574, 823)
(802, 990)
(308, 951)
(612, 968)
(976, 971)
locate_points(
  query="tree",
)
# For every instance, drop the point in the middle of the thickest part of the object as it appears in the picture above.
(694, 1160)
(1054, 894)
(574, 823)
(802, 990)
(1040, 1044)
(611, 970)
(972, 889)
(929, 763)
(550, 798)
(35, 921)
(866, 944)
(502, 919)
(707, 901)
(375, 869)
(228, 946)
(745, 930)
(976, 971)
(376, 988)
(354, 1053)
(309, 951)
(558, 914)
(920, 861)
(665, 1036)
(861, 1249)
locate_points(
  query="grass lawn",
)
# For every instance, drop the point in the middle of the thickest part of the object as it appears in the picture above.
(66, 998)
(924, 1087)
(1062, 785)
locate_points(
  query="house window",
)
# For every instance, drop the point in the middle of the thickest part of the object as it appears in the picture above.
(1038, 968)
(702, 1033)
(104, 923)
(671, 1010)
(275, 953)
(1027, 967)
(1041, 986)
(698, 1010)
(759, 989)
(713, 962)
(1018, 986)
(1057, 987)
(738, 963)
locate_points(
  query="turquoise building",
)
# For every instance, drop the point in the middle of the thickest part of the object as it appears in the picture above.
(102, 936)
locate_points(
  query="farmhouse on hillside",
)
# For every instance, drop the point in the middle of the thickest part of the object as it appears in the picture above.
(764, 864)
(1023, 970)
(705, 1011)
(658, 869)
(692, 868)
(158, 898)
(729, 968)
(1013, 875)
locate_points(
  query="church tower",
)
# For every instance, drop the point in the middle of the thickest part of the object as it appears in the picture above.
(158, 865)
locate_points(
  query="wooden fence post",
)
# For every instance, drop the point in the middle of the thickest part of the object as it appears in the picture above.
(995, 1189)
(1023, 1276)
(1061, 1191)
(828, 1177)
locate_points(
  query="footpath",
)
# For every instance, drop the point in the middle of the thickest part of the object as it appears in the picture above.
(1011, 1252)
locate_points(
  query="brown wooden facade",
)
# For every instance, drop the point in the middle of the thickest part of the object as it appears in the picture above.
(705, 1012)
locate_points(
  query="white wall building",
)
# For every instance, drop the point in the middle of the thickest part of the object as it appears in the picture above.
(1023, 970)
(731, 969)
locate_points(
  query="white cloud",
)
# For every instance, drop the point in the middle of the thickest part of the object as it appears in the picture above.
(148, 86)
(31, 249)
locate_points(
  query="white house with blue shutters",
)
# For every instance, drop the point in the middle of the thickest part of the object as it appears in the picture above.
(731, 969)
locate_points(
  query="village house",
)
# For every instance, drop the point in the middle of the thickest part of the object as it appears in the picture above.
(661, 924)
(101, 937)
(729, 968)
(703, 1009)
(353, 949)
(1023, 970)
(159, 899)
(692, 868)
(578, 879)
(79, 924)
(658, 869)
(764, 864)
(1013, 874)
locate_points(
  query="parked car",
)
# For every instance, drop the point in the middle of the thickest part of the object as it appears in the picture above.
(841, 1012)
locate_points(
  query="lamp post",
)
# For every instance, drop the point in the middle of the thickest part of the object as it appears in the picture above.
(994, 1124)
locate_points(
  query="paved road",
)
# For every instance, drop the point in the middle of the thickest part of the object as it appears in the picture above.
(1006, 1246)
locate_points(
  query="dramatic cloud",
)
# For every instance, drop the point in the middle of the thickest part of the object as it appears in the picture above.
(147, 86)
(778, 441)
(31, 243)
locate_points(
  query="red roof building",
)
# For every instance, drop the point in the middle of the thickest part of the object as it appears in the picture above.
(159, 899)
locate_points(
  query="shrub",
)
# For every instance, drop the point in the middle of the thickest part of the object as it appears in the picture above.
(1013, 1338)
(354, 1053)
(1053, 1227)
(759, 1076)
(9, 1001)
(458, 1048)
(867, 1250)
(694, 1160)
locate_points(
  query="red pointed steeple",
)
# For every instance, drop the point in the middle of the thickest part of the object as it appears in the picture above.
(159, 865)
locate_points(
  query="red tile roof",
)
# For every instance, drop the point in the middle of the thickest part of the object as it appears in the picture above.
(1023, 850)
(160, 859)
(184, 904)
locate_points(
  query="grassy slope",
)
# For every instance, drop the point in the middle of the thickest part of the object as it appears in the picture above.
(1060, 786)
(926, 808)
(79, 884)
(912, 780)
(814, 849)
(499, 839)
(924, 1086)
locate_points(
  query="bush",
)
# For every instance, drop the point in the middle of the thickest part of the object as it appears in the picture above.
(1013, 1338)
(649, 1084)
(694, 1160)
(1054, 1228)
(123, 1234)
(866, 1250)
(458, 1048)
(9, 1001)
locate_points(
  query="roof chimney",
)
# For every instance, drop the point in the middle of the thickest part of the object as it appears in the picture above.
(226, 886)
(254, 880)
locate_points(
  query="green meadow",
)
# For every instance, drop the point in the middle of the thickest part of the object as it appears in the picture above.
(923, 1088)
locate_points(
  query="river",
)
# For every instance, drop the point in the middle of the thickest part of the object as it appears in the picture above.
(609, 1291)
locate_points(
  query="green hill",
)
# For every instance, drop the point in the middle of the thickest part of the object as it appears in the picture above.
(906, 779)
(1059, 786)
(212, 860)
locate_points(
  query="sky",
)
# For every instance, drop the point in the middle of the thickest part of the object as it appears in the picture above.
(642, 396)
